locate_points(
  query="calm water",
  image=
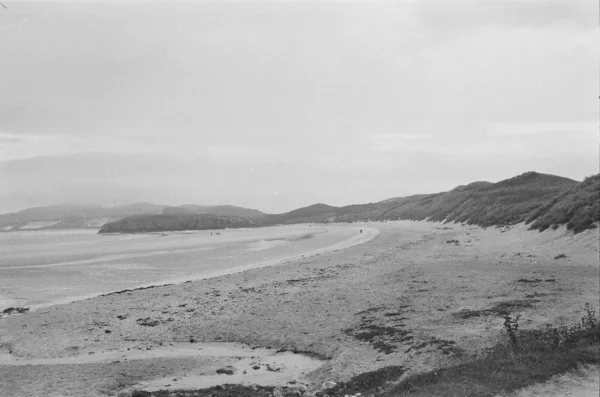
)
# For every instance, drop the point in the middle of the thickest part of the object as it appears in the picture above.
(43, 267)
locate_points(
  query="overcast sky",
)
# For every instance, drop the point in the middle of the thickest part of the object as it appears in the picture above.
(280, 104)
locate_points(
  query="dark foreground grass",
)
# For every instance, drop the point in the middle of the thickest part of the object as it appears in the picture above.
(224, 391)
(535, 357)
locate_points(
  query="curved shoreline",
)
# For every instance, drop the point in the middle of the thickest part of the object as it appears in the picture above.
(368, 234)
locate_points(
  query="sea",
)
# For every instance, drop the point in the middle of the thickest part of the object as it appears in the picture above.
(48, 267)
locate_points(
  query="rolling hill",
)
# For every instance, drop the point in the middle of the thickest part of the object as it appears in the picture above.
(540, 200)
(174, 222)
(78, 216)
(221, 210)
(71, 216)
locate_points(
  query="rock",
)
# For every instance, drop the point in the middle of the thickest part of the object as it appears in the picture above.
(124, 393)
(225, 371)
(329, 384)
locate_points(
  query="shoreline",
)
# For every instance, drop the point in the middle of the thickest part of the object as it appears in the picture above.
(362, 238)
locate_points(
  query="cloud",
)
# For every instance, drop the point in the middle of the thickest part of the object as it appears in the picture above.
(464, 15)
(581, 130)
(400, 142)
(11, 138)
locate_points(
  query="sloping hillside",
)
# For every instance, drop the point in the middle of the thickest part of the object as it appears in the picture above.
(70, 216)
(316, 213)
(220, 210)
(546, 200)
(577, 207)
(173, 222)
(485, 204)
(541, 200)
(78, 216)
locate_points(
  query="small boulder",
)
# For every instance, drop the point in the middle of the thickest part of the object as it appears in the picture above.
(329, 384)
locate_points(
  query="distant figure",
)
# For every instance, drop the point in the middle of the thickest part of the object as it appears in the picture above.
(360, 231)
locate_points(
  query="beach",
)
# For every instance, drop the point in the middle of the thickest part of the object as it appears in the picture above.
(39, 269)
(421, 280)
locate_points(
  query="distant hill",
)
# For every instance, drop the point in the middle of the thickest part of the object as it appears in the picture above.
(193, 217)
(540, 200)
(311, 214)
(79, 216)
(71, 216)
(174, 222)
(221, 210)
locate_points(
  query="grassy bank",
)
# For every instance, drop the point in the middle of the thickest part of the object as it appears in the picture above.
(527, 357)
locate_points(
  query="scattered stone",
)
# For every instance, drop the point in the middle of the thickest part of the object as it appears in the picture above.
(329, 384)
(225, 371)
(147, 322)
(15, 310)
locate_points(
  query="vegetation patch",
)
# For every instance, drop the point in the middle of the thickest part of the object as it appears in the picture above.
(578, 208)
(147, 322)
(499, 309)
(560, 256)
(369, 310)
(528, 357)
(15, 310)
(225, 391)
(535, 295)
(383, 338)
(123, 291)
(529, 281)
(365, 383)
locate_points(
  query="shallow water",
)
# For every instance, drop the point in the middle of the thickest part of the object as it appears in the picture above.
(247, 365)
(38, 268)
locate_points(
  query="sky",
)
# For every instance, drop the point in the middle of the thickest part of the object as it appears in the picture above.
(276, 105)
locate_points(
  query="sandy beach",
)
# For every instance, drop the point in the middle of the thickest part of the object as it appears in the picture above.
(417, 279)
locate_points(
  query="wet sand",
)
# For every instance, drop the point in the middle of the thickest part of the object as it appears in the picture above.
(414, 278)
(40, 269)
